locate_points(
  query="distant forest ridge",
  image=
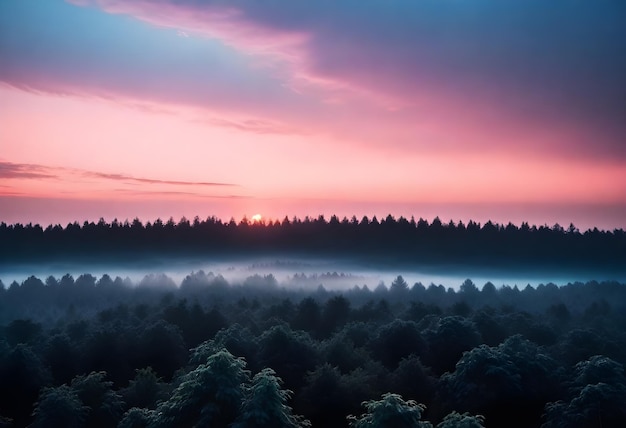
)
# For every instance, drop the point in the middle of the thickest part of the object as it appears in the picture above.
(321, 219)
(389, 240)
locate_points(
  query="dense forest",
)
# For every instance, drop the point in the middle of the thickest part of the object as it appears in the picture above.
(104, 352)
(390, 240)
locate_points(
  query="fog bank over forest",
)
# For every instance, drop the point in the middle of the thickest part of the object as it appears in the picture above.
(367, 250)
(307, 274)
(77, 351)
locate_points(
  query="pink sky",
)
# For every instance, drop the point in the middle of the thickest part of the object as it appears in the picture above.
(169, 109)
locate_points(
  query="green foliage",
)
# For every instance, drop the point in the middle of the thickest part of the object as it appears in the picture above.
(22, 375)
(62, 358)
(596, 397)
(308, 316)
(596, 405)
(154, 339)
(329, 395)
(105, 405)
(145, 390)
(201, 353)
(59, 407)
(511, 367)
(265, 405)
(22, 331)
(379, 341)
(448, 339)
(138, 418)
(298, 353)
(395, 341)
(497, 380)
(208, 395)
(238, 340)
(335, 314)
(340, 352)
(412, 380)
(390, 412)
(599, 369)
(462, 420)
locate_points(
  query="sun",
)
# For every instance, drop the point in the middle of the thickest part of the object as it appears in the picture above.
(256, 218)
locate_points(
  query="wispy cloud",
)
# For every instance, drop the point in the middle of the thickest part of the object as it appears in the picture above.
(129, 178)
(6, 193)
(178, 193)
(255, 126)
(11, 170)
(161, 66)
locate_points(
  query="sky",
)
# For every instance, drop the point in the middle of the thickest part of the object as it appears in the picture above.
(476, 109)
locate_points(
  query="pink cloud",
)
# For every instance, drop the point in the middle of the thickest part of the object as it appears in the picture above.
(42, 180)
(404, 73)
(12, 170)
(288, 52)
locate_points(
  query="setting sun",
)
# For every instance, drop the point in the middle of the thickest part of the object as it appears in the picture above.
(256, 218)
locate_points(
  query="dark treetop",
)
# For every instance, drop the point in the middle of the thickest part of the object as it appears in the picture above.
(100, 352)
(390, 240)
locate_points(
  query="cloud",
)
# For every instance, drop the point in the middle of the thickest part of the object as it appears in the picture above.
(177, 193)
(129, 178)
(114, 57)
(518, 68)
(360, 42)
(537, 65)
(255, 126)
(7, 193)
(10, 170)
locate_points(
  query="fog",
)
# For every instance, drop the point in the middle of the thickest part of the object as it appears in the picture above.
(516, 356)
(307, 273)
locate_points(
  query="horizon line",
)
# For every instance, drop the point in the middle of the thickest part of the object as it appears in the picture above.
(265, 221)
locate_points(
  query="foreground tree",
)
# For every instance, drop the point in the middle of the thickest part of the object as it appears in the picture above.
(22, 375)
(59, 407)
(210, 395)
(298, 354)
(145, 390)
(462, 420)
(596, 398)
(447, 340)
(390, 412)
(265, 405)
(395, 341)
(105, 406)
(513, 377)
(138, 418)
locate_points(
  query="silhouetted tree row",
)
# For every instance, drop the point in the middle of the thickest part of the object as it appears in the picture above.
(105, 352)
(389, 240)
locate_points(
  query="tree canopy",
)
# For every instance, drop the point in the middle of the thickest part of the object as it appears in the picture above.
(110, 352)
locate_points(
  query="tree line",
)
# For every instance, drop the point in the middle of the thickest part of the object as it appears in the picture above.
(107, 352)
(390, 240)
